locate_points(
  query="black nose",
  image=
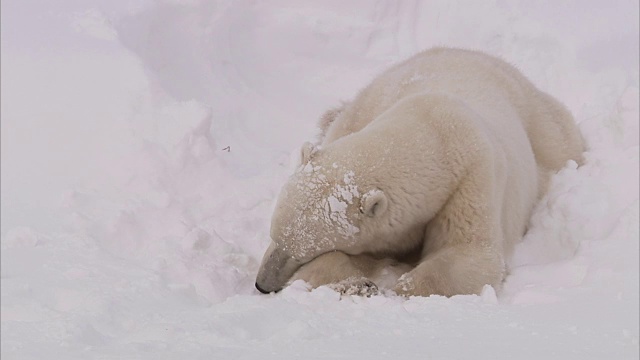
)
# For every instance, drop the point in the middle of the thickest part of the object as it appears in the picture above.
(261, 289)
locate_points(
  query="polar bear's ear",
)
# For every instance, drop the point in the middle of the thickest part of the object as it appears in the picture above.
(373, 203)
(305, 152)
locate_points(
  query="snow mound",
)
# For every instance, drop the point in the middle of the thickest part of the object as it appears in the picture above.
(144, 145)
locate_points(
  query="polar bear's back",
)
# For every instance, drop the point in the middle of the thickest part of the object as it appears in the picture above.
(476, 78)
(506, 101)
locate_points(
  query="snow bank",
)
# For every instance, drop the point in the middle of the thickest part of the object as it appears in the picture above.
(143, 146)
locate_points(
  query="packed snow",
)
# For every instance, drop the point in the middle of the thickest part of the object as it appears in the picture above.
(144, 144)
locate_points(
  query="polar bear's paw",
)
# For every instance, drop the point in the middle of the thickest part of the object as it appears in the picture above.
(360, 286)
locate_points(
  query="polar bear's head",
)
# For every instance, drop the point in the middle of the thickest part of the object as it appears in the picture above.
(372, 191)
(325, 206)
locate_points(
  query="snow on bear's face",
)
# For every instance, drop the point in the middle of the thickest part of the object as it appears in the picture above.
(321, 208)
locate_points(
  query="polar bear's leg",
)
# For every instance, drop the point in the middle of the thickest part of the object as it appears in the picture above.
(460, 269)
(463, 247)
(329, 268)
(327, 119)
(554, 135)
(356, 275)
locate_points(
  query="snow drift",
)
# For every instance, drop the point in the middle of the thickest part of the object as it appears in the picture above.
(143, 145)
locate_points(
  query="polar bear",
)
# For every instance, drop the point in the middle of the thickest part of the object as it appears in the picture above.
(424, 182)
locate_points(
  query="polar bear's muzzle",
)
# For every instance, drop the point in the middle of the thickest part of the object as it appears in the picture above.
(276, 269)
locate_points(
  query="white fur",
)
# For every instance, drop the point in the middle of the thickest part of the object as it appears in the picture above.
(431, 172)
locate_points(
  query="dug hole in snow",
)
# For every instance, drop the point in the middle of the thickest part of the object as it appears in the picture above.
(144, 145)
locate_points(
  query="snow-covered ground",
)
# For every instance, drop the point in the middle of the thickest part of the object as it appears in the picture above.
(143, 144)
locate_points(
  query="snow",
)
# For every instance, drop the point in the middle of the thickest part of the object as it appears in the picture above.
(145, 142)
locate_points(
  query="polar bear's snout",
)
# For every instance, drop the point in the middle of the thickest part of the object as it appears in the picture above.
(261, 289)
(276, 269)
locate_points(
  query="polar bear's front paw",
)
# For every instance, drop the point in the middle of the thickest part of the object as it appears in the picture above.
(356, 286)
(405, 286)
